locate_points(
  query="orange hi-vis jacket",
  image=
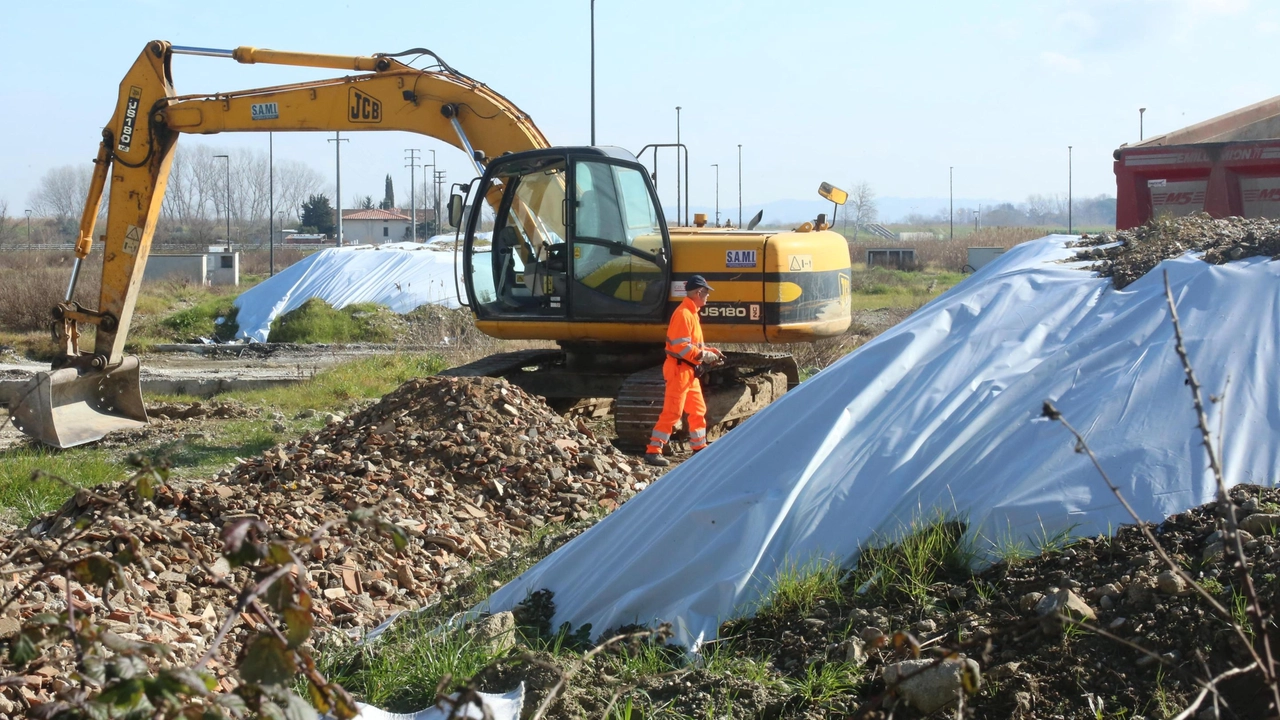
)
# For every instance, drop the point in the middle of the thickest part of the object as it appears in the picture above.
(684, 334)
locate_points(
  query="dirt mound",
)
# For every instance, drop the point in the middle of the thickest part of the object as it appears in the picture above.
(464, 466)
(218, 410)
(1127, 255)
(821, 648)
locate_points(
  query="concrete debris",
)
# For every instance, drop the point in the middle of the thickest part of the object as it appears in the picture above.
(1127, 255)
(931, 685)
(441, 458)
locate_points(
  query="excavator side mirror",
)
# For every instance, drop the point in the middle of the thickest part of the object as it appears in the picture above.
(455, 210)
(833, 193)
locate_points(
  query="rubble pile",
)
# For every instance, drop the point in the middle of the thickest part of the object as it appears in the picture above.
(1127, 255)
(217, 410)
(465, 466)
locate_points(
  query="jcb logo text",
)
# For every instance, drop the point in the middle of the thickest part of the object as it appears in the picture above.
(364, 108)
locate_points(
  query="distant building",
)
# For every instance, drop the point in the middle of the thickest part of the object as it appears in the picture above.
(373, 227)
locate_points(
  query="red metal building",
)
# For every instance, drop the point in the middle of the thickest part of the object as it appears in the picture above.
(1229, 165)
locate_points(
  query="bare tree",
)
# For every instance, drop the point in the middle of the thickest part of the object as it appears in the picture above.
(8, 226)
(862, 206)
(61, 193)
(295, 182)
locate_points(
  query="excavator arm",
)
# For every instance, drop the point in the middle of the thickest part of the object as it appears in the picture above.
(88, 394)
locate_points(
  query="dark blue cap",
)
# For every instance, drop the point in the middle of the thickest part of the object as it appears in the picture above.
(696, 281)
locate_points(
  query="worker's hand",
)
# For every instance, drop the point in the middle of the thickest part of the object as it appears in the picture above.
(709, 357)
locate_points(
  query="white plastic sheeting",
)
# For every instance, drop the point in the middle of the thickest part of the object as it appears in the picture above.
(401, 276)
(942, 412)
(499, 707)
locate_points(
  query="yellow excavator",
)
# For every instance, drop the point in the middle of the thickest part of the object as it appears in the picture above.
(579, 253)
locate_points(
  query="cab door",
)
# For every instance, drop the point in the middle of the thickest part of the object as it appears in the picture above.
(620, 250)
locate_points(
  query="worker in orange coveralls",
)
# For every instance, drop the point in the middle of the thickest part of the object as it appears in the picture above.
(686, 354)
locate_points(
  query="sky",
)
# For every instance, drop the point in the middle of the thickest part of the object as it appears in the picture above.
(892, 94)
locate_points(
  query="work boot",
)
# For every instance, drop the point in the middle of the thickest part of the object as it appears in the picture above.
(655, 459)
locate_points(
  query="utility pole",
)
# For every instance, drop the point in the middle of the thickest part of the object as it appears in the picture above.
(717, 167)
(677, 165)
(593, 73)
(271, 190)
(281, 214)
(228, 159)
(739, 186)
(440, 174)
(337, 141)
(28, 212)
(1141, 112)
(977, 215)
(435, 200)
(951, 181)
(413, 188)
(1069, 226)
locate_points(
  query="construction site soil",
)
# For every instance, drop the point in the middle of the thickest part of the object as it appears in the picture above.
(1164, 638)
(469, 468)
(1127, 255)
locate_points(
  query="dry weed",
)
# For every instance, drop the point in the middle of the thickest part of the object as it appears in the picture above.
(948, 254)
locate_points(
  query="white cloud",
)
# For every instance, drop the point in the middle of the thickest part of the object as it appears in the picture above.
(1060, 62)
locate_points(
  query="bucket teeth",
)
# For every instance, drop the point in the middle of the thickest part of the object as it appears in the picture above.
(67, 407)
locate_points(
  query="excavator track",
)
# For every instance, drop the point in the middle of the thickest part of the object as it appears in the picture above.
(745, 384)
(504, 363)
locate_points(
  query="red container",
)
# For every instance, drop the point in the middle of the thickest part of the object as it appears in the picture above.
(1223, 179)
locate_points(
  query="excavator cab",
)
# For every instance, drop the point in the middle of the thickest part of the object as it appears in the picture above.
(577, 235)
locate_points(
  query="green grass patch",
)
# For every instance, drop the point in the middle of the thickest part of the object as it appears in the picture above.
(79, 467)
(928, 549)
(316, 321)
(823, 682)
(169, 312)
(401, 671)
(339, 386)
(797, 588)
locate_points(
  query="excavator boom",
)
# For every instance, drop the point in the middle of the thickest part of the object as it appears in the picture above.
(90, 393)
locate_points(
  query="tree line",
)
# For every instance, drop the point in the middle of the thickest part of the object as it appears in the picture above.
(202, 188)
(1036, 210)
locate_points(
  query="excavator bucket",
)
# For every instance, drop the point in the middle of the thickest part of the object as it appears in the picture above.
(66, 407)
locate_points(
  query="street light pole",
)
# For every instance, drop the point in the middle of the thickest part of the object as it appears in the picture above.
(271, 210)
(677, 165)
(951, 181)
(1069, 203)
(593, 73)
(435, 196)
(337, 141)
(739, 186)
(413, 191)
(717, 167)
(281, 214)
(228, 159)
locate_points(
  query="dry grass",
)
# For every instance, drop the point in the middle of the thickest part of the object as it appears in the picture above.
(258, 262)
(948, 254)
(32, 283)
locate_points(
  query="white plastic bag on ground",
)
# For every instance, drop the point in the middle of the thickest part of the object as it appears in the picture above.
(501, 707)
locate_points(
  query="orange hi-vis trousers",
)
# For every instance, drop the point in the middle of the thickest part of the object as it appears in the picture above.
(683, 395)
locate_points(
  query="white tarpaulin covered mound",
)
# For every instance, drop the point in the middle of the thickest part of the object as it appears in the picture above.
(942, 412)
(401, 276)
